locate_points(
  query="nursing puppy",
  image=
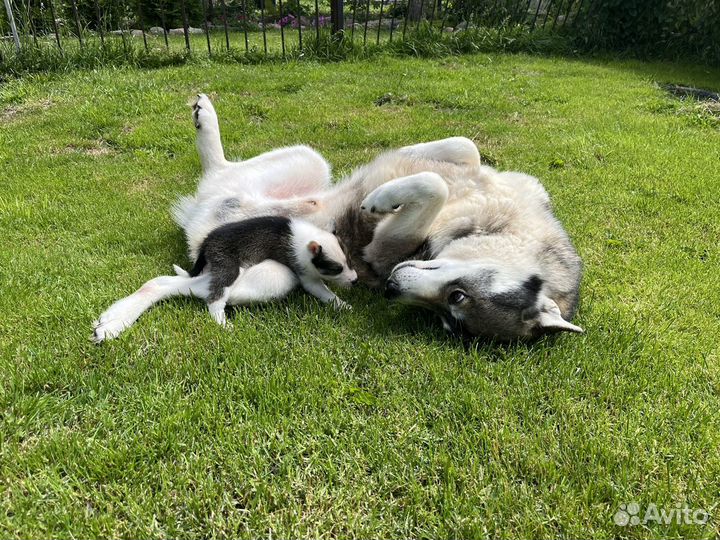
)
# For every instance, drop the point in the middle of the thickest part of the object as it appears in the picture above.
(313, 255)
(247, 262)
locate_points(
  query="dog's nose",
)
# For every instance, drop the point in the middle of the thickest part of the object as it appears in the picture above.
(354, 281)
(392, 289)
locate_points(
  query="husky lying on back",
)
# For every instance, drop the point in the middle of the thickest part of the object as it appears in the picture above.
(479, 247)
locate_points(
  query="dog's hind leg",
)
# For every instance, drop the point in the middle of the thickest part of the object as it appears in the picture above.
(458, 150)
(266, 281)
(123, 313)
(207, 140)
(282, 173)
(411, 204)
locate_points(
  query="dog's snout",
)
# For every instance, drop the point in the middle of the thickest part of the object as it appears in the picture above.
(354, 281)
(392, 289)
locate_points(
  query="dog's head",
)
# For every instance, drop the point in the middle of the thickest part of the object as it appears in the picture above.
(479, 299)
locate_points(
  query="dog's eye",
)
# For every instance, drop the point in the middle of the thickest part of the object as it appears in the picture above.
(456, 297)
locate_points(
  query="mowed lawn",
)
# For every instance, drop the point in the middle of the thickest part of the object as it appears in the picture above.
(303, 422)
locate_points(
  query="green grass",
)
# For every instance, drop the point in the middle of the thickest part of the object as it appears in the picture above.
(302, 422)
(45, 56)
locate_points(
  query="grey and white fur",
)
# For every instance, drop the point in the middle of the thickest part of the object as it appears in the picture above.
(429, 222)
(311, 254)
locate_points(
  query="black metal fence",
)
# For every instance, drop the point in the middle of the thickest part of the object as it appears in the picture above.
(263, 26)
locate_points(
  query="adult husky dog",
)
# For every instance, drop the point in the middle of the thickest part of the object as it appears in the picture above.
(481, 248)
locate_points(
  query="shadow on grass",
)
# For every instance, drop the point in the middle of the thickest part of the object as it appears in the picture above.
(373, 316)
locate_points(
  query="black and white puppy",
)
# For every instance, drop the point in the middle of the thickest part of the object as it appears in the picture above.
(313, 255)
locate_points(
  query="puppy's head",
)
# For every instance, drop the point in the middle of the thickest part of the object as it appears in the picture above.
(319, 252)
(329, 260)
(476, 299)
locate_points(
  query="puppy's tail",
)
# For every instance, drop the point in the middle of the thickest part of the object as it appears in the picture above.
(179, 271)
(199, 264)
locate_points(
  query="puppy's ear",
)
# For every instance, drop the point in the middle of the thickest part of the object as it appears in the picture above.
(314, 248)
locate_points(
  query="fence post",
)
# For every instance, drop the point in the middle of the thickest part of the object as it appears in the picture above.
(13, 28)
(186, 24)
(55, 26)
(337, 17)
(78, 27)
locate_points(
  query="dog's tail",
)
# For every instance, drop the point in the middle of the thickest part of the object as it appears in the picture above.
(199, 264)
(183, 210)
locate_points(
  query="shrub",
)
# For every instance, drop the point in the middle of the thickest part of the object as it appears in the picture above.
(667, 28)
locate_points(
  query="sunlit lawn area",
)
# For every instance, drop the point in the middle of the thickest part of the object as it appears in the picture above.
(302, 422)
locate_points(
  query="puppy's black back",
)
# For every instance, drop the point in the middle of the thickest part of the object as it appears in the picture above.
(248, 242)
(242, 244)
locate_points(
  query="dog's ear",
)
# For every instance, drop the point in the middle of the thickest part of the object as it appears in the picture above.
(549, 320)
(314, 248)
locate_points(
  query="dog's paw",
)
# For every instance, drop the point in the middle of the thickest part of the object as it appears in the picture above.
(117, 318)
(203, 112)
(107, 328)
(382, 200)
(180, 271)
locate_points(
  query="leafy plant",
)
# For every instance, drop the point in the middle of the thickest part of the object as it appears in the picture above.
(669, 28)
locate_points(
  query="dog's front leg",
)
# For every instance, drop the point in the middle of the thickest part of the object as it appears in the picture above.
(320, 291)
(411, 204)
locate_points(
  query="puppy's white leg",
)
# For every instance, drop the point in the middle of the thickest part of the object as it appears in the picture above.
(217, 310)
(320, 291)
(458, 150)
(123, 313)
(207, 140)
(411, 203)
(266, 281)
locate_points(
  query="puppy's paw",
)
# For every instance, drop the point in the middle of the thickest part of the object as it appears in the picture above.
(217, 312)
(180, 271)
(341, 305)
(382, 200)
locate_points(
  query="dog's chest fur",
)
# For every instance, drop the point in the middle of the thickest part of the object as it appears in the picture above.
(354, 229)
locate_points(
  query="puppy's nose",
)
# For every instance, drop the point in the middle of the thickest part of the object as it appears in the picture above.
(392, 289)
(354, 281)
